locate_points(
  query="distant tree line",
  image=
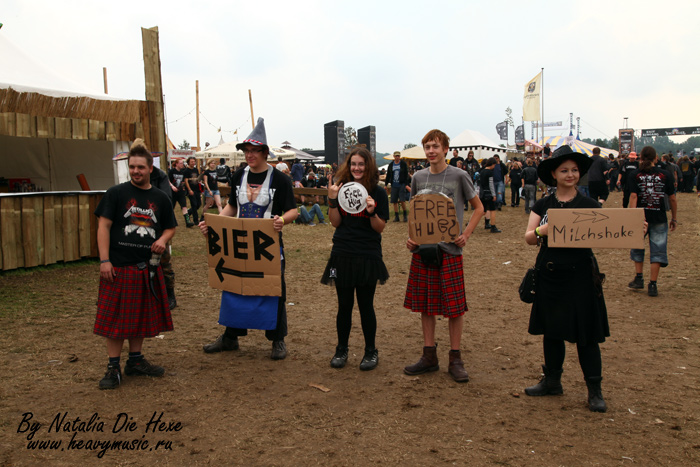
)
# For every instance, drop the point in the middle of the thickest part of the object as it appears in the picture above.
(662, 144)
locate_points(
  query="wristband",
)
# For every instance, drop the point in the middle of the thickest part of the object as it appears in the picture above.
(537, 231)
(282, 217)
(674, 220)
(105, 261)
(333, 202)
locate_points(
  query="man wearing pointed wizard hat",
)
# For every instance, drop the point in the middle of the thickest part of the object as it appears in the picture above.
(258, 191)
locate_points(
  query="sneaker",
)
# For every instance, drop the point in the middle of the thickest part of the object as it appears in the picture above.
(311, 224)
(279, 350)
(495, 229)
(370, 360)
(112, 378)
(340, 358)
(142, 368)
(652, 291)
(637, 283)
(323, 223)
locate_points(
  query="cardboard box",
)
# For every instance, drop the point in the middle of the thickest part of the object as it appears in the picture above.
(244, 255)
(432, 219)
(596, 228)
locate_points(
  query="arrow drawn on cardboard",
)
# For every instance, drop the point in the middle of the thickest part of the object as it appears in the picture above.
(221, 270)
(594, 217)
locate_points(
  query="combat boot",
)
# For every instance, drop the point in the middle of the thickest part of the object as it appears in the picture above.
(428, 362)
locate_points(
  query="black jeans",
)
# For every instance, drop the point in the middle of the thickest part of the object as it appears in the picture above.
(195, 204)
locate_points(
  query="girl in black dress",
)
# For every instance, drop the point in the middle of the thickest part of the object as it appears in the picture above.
(356, 263)
(569, 304)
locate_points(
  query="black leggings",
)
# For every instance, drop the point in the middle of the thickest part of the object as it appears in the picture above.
(588, 356)
(514, 195)
(195, 203)
(365, 301)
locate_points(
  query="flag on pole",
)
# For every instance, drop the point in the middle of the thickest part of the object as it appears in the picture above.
(531, 99)
(502, 129)
(520, 135)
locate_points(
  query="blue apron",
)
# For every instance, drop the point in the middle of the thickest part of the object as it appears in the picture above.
(246, 311)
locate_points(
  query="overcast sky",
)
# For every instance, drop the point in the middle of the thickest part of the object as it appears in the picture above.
(403, 66)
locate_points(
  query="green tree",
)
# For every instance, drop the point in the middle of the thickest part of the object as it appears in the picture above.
(184, 145)
(409, 146)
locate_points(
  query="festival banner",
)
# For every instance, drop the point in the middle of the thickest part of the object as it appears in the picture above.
(531, 99)
(520, 135)
(432, 219)
(689, 130)
(244, 255)
(595, 228)
(502, 130)
(626, 138)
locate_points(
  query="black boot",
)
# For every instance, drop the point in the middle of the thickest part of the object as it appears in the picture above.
(495, 229)
(222, 344)
(595, 395)
(487, 225)
(549, 385)
(188, 221)
(172, 302)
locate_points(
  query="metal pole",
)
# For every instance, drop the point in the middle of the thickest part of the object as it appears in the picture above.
(252, 118)
(542, 94)
(199, 148)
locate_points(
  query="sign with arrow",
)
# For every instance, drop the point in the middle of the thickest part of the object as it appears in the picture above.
(596, 228)
(244, 256)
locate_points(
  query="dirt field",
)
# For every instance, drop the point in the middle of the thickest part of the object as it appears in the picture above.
(241, 408)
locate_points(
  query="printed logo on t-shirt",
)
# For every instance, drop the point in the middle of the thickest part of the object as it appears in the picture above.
(141, 221)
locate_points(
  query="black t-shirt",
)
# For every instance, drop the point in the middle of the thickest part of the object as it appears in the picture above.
(486, 178)
(191, 175)
(562, 255)
(211, 176)
(626, 170)
(650, 188)
(515, 177)
(355, 235)
(280, 187)
(138, 217)
(530, 175)
(176, 178)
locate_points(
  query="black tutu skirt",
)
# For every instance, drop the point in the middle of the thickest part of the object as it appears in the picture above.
(352, 271)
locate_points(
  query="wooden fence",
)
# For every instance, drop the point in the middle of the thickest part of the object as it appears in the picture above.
(46, 228)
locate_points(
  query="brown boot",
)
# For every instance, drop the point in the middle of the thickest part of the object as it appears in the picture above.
(456, 368)
(428, 362)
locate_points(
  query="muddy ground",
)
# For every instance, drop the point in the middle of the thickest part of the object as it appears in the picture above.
(241, 408)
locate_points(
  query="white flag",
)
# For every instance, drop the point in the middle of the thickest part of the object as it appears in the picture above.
(531, 99)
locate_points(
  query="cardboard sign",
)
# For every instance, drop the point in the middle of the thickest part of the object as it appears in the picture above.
(432, 219)
(596, 228)
(244, 255)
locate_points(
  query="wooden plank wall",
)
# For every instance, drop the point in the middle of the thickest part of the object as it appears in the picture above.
(37, 229)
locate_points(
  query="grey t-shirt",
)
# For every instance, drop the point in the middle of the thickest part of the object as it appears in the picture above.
(452, 182)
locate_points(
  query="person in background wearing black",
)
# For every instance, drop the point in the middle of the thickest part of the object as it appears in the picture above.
(176, 176)
(516, 182)
(629, 165)
(487, 194)
(397, 177)
(529, 185)
(192, 186)
(597, 177)
(569, 303)
(212, 195)
(456, 158)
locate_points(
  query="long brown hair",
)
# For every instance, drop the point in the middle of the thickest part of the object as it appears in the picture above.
(647, 156)
(370, 177)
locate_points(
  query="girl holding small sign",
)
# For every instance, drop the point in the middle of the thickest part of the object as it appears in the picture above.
(358, 209)
(569, 303)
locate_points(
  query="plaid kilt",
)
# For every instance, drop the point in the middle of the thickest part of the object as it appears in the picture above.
(127, 309)
(436, 291)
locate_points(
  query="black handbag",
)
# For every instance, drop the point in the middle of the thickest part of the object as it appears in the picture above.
(430, 254)
(527, 286)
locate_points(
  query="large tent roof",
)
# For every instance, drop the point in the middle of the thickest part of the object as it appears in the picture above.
(474, 139)
(576, 145)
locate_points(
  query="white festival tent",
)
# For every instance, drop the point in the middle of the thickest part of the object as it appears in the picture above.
(235, 156)
(472, 140)
(50, 163)
(416, 152)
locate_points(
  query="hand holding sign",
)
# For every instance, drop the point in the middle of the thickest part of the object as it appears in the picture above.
(352, 197)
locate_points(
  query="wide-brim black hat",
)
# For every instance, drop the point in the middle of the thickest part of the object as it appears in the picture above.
(562, 154)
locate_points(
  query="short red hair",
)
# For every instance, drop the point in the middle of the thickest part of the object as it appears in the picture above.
(439, 136)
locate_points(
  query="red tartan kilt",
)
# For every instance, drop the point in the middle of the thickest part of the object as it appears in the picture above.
(126, 307)
(436, 291)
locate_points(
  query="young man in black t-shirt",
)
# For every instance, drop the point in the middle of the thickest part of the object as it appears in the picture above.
(136, 221)
(192, 187)
(258, 191)
(177, 179)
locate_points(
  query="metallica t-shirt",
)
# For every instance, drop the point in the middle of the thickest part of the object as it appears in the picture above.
(138, 219)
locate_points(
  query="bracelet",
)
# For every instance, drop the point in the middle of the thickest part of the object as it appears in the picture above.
(674, 220)
(332, 202)
(105, 261)
(537, 231)
(282, 217)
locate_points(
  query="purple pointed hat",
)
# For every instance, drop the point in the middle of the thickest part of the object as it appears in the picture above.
(257, 137)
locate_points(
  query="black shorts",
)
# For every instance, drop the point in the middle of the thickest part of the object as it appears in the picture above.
(179, 196)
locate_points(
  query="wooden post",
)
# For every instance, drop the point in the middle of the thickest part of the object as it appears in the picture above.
(197, 110)
(104, 77)
(154, 94)
(252, 118)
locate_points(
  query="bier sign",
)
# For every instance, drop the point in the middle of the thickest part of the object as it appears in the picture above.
(432, 219)
(596, 228)
(244, 255)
